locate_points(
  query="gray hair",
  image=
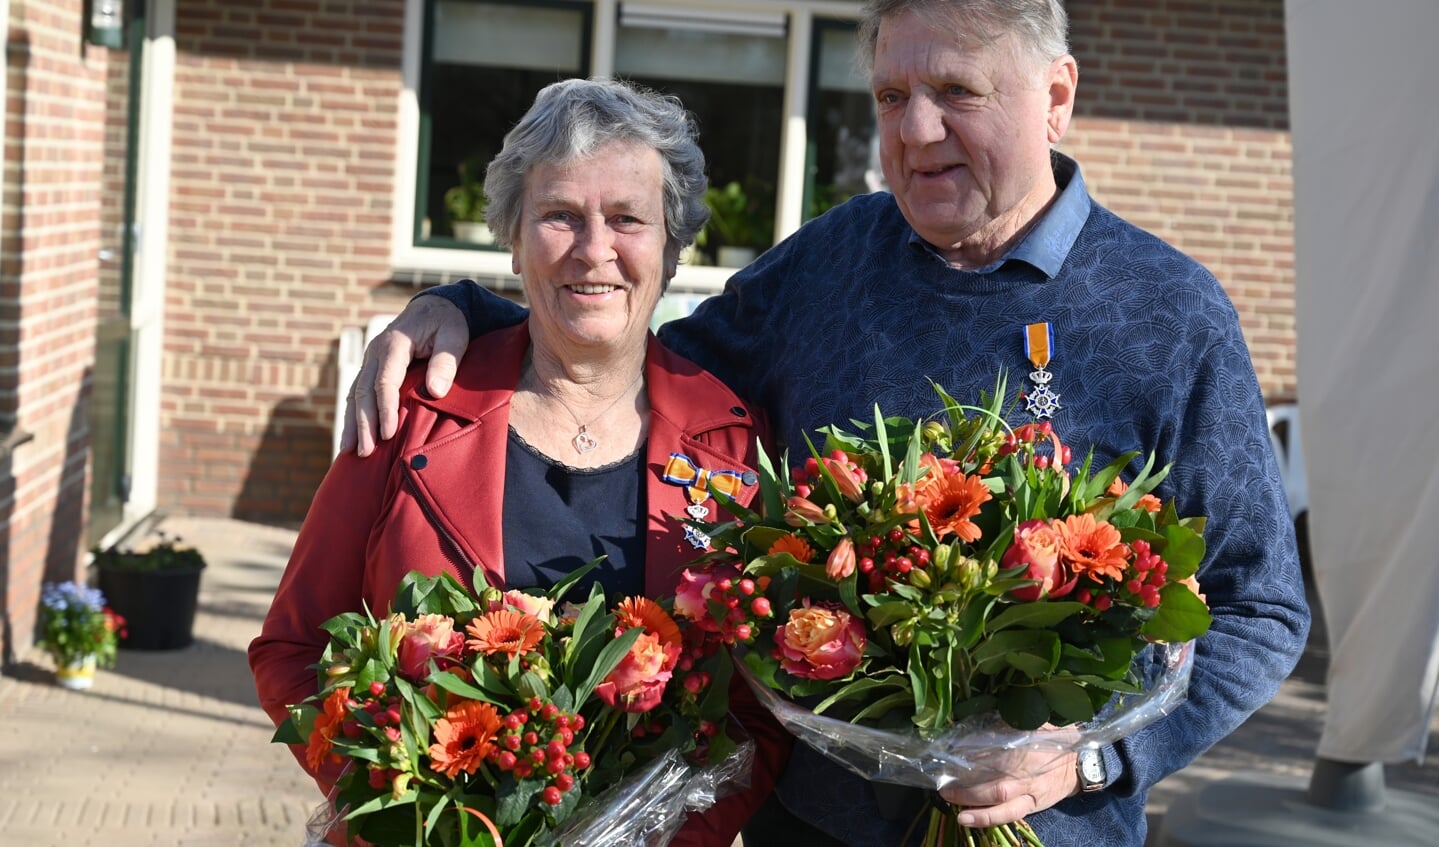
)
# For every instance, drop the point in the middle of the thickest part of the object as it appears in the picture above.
(1040, 27)
(575, 117)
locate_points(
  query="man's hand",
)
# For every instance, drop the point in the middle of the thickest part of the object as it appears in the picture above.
(429, 326)
(1036, 780)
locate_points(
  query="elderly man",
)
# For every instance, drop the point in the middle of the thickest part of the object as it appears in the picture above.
(987, 253)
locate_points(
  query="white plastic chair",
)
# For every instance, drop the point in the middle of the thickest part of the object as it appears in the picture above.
(353, 341)
(1284, 434)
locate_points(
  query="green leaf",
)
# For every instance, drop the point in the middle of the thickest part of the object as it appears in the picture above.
(1023, 707)
(889, 613)
(1034, 615)
(609, 657)
(514, 803)
(770, 486)
(1181, 616)
(1068, 700)
(996, 651)
(1183, 551)
(1034, 665)
(562, 586)
(882, 436)
(882, 706)
(860, 688)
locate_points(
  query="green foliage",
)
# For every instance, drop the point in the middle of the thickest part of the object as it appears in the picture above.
(740, 216)
(167, 553)
(467, 202)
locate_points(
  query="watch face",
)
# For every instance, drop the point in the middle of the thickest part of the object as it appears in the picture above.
(1091, 767)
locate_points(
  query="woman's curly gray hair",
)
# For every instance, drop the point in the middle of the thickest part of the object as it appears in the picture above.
(575, 117)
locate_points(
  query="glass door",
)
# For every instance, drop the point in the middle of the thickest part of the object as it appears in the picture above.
(112, 397)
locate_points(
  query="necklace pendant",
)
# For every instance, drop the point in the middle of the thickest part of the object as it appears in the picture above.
(584, 442)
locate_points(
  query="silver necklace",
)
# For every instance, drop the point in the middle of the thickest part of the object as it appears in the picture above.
(583, 441)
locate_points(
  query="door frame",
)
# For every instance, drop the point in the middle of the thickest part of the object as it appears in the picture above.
(149, 248)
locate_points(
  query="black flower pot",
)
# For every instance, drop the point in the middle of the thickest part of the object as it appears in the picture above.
(158, 605)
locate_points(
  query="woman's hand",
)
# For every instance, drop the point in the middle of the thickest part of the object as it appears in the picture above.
(428, 326)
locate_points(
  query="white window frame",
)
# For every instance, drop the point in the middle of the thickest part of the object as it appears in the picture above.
(492, 268)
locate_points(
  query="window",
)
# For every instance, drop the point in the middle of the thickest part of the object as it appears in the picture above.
(843, 144)
(486, 63)
(786, 121)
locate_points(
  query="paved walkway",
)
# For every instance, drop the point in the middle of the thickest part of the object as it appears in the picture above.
(169, 748)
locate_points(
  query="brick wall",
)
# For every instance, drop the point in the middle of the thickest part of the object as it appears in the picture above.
(54, 147)
(285, 129)
(284, 146)
(1182, 128)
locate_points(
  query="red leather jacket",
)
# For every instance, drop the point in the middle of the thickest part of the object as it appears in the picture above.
(429, 499)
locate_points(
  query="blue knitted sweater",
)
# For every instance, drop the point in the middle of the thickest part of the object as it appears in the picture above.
(854, 309)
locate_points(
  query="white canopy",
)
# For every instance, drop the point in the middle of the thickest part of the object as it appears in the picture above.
(1366, 185)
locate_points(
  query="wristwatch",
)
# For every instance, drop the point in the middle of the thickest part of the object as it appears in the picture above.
(1092, 773)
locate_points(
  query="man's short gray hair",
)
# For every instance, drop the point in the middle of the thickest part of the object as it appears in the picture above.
(1040, 27)
(572, 119)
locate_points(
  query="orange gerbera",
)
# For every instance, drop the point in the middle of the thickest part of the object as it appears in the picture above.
(793, 545)
(1091, 548)
(949, 501)
(464, 737)
(320, 748)
(648, 615)
(504, 631)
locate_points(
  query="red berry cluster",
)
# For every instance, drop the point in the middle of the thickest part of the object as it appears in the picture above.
(1146, 575)
(891, 555)
(384, 712)
(540, 741)
(744, 597)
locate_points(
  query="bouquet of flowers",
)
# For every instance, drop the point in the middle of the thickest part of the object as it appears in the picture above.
(75, 624)
(920, 600)
(483, 722)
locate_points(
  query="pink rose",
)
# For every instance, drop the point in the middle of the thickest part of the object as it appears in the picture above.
(1036, 545)
(534, 605)
(427, 637)
(820, 642)
(638, 682)
(694, 591)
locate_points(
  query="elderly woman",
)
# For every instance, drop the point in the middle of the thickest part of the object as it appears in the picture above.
(552, 448)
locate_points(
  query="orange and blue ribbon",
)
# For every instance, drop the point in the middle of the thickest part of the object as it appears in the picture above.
(682, 470)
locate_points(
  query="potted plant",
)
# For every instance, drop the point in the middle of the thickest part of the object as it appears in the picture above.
(79, 631)
(156, 587)
(742, 223)
(465, 204)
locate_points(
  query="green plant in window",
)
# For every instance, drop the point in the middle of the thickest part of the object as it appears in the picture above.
(465, 203)
(738, 218)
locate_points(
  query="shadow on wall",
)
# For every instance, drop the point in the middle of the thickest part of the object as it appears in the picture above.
(292, 455)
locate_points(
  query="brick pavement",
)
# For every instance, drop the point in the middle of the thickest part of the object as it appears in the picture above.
(169, 747)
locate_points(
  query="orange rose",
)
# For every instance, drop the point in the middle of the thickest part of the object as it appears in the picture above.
(820, 642)
(1036, 545)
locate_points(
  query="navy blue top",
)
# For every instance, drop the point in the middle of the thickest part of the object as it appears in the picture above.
(855, 308)
(552, 510)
